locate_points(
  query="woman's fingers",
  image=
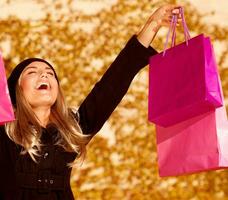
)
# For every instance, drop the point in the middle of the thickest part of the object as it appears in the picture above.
(176, 11)
(172, 7)
(170, 11)
(161, 17)
(166, 21)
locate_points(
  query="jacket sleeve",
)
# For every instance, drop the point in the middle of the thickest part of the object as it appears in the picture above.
(113, 85)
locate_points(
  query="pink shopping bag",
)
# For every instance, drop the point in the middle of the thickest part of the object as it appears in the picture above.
(6, 109)
(197, 144)
(183, 81)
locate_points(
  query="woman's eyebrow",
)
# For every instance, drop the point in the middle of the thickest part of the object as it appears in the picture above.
(30, 67)
(49, 68)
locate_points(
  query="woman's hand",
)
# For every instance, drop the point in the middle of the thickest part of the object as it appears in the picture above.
(161, 17)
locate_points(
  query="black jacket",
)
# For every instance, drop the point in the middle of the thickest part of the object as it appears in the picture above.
(21, 178)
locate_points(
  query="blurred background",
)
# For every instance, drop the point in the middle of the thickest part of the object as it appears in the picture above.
(81, 38)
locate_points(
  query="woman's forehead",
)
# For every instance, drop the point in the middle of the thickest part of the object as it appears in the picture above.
(38, 65)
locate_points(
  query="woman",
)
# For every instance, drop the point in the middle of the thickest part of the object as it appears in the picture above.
(38, 149)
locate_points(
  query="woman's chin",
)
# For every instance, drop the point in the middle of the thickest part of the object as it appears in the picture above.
(42, 102)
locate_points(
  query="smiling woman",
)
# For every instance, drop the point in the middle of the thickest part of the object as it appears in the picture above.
(47, 138)
(38, 101)
(45, 128)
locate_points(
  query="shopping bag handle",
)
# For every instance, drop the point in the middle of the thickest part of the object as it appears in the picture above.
(172, 28)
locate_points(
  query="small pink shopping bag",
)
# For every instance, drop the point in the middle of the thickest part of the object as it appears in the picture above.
(183, 81)
(6, 109)
(195, 145)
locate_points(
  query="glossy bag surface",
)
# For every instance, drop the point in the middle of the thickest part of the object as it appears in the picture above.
(183, 83)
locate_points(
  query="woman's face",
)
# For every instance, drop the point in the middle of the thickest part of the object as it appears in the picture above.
(39, 85)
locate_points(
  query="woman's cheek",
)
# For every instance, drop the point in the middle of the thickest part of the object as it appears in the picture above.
(56, 91)
(26, 85)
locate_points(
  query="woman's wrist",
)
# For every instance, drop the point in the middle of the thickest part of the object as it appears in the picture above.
(148, 32)
(154, 24)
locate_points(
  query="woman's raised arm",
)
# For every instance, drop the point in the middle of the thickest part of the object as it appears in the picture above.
(108, 92)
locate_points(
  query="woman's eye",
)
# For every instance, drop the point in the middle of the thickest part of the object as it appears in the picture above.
(50, 73)
(31, 72)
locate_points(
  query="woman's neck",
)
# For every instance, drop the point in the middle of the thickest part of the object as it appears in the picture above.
(43, 115)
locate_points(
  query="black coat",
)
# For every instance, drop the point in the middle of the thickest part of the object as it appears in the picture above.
(22, 178)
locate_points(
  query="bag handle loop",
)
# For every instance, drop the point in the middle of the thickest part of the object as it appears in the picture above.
(172, 28)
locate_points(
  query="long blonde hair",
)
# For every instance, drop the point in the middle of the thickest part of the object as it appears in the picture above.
(26, 130)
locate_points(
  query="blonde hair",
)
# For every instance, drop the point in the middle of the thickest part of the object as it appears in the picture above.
(26, 130)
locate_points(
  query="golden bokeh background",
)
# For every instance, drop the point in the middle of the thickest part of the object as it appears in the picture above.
(81, 43)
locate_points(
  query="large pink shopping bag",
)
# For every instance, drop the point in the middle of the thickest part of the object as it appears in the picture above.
(6, 109)
(195, 145)
(183, 81)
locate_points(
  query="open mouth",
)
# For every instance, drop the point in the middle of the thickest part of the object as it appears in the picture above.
(43, 86)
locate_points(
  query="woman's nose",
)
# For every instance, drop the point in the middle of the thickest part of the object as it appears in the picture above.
(43, 75)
